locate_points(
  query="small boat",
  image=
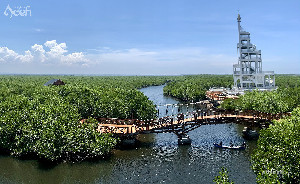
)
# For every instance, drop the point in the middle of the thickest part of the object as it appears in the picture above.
(229, 147)
(184, 140)
(250, 134)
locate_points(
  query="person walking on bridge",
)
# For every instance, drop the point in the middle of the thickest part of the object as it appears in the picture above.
(195, 116)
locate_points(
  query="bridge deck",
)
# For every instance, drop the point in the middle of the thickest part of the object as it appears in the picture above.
(135, 127)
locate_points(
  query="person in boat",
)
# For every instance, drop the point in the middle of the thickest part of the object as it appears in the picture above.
(231, 144)
(244, 144)
(221, 144)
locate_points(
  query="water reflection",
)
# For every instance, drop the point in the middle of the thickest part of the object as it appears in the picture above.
(29, 171)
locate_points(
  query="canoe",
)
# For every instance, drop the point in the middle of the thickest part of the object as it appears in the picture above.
(229, 147)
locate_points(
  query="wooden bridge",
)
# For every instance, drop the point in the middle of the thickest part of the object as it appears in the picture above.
(181, 124)
(135, 126)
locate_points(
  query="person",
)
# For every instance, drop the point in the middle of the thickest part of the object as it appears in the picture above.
(221, 143)
(231, 144)
(195, 116)
(244, 144)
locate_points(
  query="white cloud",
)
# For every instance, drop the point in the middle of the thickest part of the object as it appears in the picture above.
(7, 54)
(56, 50)
(38, 52)
(161, 61)
(52, 53)
(53, 57)
(76, 57)
(27, 57)
(127, 55)
(38, 30)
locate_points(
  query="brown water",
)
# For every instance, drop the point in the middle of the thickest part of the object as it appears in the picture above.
(158, 159)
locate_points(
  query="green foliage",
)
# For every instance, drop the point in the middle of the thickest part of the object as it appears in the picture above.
(230, 104)
(279, 101)
(223, 177)
(193, 87)
(109, 102)
(44, 122)
(287, 81)
(268, 102)
(277, 158)
(48, 126)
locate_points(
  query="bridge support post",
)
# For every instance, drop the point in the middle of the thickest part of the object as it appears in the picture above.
(128, 141)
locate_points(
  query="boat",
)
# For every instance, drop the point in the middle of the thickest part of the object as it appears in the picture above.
(229, 147)
(184, 140)
(250, 134)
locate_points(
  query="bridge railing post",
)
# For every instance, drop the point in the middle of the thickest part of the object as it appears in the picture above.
(147, 125)
(172, 124)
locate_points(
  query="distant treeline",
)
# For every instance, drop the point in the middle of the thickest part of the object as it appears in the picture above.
(193, 87)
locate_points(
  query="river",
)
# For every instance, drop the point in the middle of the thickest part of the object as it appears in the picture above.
(158, 159)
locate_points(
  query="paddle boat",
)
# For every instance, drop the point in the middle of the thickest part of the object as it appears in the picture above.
(242, 147)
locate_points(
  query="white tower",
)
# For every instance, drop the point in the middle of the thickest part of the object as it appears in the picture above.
(248, 74)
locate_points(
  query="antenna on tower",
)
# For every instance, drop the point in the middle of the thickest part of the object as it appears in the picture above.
(239, 17)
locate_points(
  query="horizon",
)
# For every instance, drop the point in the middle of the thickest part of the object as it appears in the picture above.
(118, 75)
(145, 38)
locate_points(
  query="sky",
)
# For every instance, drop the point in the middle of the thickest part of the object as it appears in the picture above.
(143, 37)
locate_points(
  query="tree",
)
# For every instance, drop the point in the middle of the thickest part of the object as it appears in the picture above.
(223, 177)
(277, 158)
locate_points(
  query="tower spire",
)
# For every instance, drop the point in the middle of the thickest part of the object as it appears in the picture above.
(239, 18)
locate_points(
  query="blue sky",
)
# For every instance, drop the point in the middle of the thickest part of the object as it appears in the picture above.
(142, 37)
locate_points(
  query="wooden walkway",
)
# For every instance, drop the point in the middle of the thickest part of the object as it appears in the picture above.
(172, 124)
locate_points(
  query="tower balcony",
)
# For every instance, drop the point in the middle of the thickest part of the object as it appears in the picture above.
(245, 45)
(251, 73)
(251, 51)
(245, 38)
(244, 33)
(267, 72)
(250, 60)
(244, 73)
